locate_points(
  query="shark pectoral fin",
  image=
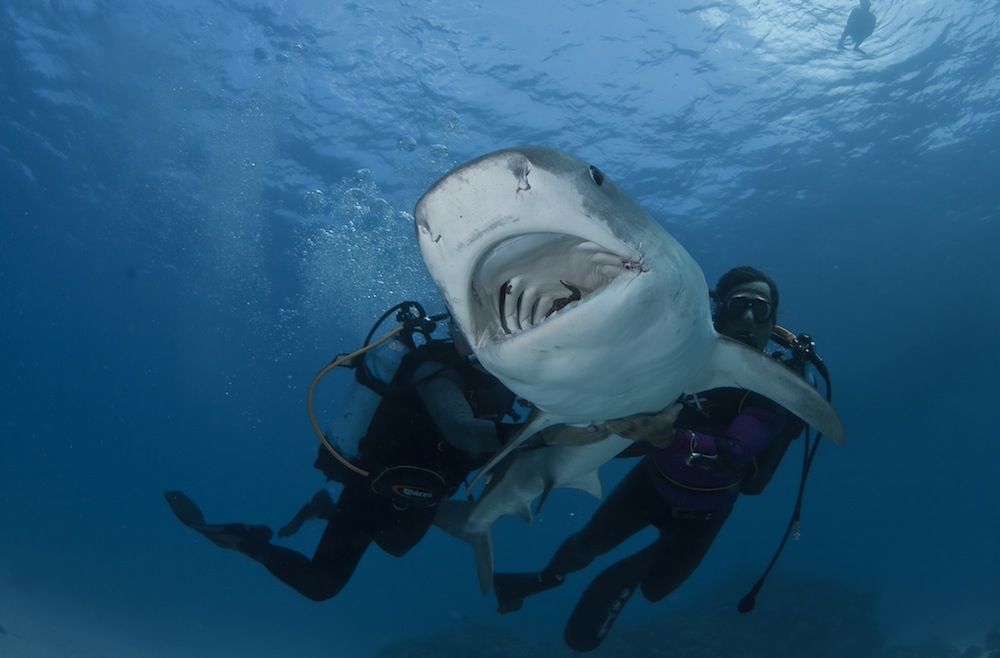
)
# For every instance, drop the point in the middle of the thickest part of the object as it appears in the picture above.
(524, 513)
(584, 463)
(536, 423)
(453, 517)
(482, 546)
(519, 508)
(591, 483)
(542, 498)
(734, 364)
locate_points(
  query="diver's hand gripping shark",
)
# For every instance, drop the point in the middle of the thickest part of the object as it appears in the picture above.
(578, 301)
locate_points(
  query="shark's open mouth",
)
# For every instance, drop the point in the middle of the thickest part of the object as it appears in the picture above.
(526, 279)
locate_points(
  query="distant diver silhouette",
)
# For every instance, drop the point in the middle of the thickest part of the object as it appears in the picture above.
(860, 25)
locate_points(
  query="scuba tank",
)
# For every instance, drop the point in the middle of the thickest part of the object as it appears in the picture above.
(374, 365)
(396, 451)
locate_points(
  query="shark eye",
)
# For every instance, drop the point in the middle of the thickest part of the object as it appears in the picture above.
(596, 174)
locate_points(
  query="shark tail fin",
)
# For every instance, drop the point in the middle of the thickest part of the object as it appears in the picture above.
(453, 517)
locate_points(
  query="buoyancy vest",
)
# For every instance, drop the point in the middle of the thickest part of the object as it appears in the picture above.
(403, 440)
(719, 407)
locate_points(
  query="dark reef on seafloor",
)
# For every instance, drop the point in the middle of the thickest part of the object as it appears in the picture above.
(796, 617)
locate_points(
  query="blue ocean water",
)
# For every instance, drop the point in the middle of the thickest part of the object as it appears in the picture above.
(203, 202)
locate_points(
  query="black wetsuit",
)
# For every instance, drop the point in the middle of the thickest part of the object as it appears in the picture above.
(683, 491)
(402, 431)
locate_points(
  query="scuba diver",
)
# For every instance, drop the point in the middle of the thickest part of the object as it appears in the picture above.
(711, 447)
(438, 419)
(860, 25)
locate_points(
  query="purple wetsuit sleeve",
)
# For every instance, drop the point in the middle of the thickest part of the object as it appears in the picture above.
(752, 432)
(749, 434)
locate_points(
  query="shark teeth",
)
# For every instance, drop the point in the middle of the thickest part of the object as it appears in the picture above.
(527, 307)
(537, 276)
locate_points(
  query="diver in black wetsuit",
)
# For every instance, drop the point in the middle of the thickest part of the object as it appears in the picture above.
(440, 414)
(860, 25)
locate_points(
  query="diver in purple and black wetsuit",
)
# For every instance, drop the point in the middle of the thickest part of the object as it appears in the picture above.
(707, 450)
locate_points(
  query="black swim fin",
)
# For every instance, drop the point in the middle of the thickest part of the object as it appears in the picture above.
(187, 510)
(513, 588)
(235, 536)
(604, 599)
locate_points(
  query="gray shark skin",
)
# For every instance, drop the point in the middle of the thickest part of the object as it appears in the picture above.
(507, 236)
(577, 300)
(518, 480)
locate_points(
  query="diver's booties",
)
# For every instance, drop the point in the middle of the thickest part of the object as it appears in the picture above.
(237, 536)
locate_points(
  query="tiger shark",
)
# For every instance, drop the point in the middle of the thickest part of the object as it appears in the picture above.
(579, 302)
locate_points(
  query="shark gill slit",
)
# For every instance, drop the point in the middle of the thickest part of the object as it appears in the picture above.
(501, 306)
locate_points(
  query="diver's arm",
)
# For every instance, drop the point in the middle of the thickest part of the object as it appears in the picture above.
(440, 390)
(767, 464)
(657, 429)
(748, 435)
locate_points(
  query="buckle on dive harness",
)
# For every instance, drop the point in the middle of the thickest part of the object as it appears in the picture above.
(697, 459)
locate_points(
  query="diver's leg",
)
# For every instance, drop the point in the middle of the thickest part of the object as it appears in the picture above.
(320, 506)
(344, 541)
(396, 531)
(658, 570)
(604, 599)
(340, 549)
(629, 509)
(682, 545)
(358, 518)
